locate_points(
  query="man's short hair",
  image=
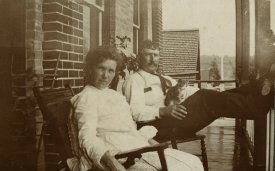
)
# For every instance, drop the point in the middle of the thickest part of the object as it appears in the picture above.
(147, 44)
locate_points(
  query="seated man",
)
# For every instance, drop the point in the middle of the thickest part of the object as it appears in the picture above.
(145, 92)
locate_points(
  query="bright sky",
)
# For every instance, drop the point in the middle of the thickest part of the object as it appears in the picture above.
(214, 18)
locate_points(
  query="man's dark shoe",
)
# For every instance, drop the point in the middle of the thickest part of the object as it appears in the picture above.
(266, 87)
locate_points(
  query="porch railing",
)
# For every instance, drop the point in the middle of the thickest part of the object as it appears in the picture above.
(259, 134)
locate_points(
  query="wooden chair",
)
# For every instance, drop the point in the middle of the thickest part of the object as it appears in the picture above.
(55, 107)
(56, 110)
(173, 140)
(195, 137)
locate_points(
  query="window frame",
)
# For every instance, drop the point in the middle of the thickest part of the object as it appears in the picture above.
(136, 26)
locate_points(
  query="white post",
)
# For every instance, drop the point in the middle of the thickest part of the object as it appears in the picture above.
(100, 28)
(222, 72)
(222, 75)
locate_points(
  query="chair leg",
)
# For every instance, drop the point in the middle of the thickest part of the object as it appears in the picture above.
(174, 140)
(162, 160)
(204, 155)
(174, 144)
(39, 143)
(66, 167)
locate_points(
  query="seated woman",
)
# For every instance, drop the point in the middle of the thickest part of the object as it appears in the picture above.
(105, 124)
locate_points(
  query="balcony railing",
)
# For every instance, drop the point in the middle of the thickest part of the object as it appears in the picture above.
(259, 134)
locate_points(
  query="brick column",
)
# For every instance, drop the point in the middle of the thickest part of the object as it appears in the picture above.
(33, 40)
(34, 35)
(34, 60)
(63, 35)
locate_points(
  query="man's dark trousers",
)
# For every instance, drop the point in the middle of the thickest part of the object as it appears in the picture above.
(205, 106)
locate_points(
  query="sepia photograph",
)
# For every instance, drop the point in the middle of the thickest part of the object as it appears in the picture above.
(137, 85)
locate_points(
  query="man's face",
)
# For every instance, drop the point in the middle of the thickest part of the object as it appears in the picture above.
(150, 60)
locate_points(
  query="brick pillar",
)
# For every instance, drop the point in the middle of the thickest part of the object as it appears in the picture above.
(63, 35)
(34, 35)
(34, 59)
(34, 39)
(145, 20)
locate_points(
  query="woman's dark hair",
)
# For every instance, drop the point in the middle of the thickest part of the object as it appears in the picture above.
(98, 55)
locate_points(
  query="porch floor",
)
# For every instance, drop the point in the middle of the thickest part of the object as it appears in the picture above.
(225, 151)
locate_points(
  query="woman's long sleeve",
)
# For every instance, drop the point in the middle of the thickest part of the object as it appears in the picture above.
(87, 117)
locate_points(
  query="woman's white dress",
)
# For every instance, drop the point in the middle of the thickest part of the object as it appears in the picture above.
(105, 124)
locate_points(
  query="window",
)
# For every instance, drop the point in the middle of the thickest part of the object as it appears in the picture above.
(252, 26)
(272, 19)
(136, 25)
(92, 24)
(96, 3)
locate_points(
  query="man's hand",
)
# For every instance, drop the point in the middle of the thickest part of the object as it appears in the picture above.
(177, 111)
(111, 163)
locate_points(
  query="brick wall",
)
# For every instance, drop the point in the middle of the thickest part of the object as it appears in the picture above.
(63, 39)
(63, 36)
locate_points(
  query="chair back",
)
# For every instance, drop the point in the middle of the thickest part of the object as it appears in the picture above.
(46, 97)
(56, 107)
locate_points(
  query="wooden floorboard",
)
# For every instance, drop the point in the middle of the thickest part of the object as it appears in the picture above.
(225, 151)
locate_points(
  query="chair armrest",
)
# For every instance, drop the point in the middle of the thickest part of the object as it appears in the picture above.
(136, 153)
(146, 123)
(139, 151)
(152, 141)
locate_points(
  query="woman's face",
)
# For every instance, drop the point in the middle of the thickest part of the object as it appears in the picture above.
(150, 60)
(104, 73)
